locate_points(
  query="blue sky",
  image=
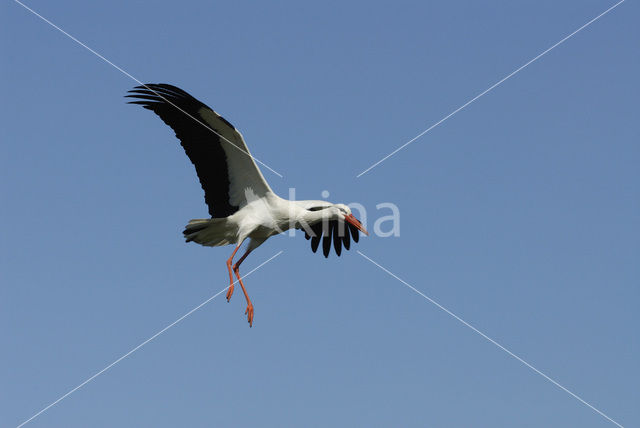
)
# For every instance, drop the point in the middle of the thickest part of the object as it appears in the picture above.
(519, 214)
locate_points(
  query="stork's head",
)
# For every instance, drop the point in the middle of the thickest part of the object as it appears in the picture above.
(338, 212)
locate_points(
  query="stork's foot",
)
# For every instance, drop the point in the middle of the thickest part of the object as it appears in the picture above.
(249, 313)
(230, 292)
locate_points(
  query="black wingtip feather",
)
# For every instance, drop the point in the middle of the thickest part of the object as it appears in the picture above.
(346, 241)
(315, 241)
(337, 240)
(326, 240)
(354, 233)
(336, 232)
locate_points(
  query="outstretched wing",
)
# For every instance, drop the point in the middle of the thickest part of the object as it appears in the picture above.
(226, 170)
(335, 230)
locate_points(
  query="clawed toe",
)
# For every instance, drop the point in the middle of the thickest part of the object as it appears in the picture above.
(229, 292)
(249, 313)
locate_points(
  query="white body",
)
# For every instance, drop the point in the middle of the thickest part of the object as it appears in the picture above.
(259, 219)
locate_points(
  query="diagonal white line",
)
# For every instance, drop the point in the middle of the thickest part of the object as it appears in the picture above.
(142, 84)
(490, 88)
(144, 343)
(488, 338)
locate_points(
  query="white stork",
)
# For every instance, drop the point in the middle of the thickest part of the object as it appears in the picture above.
(240, 201)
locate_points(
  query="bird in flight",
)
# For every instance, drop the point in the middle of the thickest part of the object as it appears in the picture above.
(241, 203)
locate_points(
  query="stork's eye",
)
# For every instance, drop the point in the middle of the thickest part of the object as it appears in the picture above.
(317, 208)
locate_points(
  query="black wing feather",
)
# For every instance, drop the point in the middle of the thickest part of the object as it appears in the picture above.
(315, 241)
(336, 231)
(354, 232)
(337, 240)
(346, 241)
(202, 146)
(317, 233)
(326, 241)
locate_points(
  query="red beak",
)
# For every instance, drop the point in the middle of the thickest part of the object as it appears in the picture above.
(354, 221)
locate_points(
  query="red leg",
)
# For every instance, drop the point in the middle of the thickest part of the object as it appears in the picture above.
(230, 291)
(236, 269)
